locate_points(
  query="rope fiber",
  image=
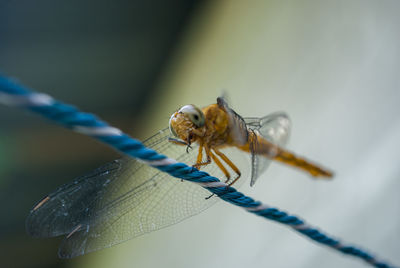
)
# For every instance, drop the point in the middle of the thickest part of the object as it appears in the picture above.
(14, 94)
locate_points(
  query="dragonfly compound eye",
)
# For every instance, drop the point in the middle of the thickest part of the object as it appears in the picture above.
(195, 115)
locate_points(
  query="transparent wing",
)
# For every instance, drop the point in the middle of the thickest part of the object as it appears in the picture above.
(276, 129)
(236, 123)
(119, 201)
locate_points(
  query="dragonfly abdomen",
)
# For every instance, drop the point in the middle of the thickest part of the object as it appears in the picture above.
(291, 159)
(258, 145)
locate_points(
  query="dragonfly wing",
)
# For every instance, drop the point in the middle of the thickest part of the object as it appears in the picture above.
(276, 129)
(119, 201)
(71, 204)
(237, 124)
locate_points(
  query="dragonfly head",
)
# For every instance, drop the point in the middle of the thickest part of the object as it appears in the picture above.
(185, 121)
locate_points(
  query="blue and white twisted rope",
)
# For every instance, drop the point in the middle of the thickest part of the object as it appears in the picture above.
(13, 94)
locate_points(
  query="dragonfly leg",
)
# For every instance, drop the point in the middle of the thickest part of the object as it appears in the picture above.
(219, 164)
(230, 163)
(180, 142)
(200, 161)
(177, 141)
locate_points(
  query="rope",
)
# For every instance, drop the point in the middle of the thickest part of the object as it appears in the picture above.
(13, 94)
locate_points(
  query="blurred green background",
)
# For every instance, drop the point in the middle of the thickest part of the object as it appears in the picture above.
(333, 66)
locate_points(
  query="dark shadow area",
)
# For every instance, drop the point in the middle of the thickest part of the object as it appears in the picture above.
(102, 56)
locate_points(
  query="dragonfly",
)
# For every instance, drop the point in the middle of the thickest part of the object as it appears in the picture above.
(127, 198)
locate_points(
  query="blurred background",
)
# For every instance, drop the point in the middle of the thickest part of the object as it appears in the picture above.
(334, 67)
